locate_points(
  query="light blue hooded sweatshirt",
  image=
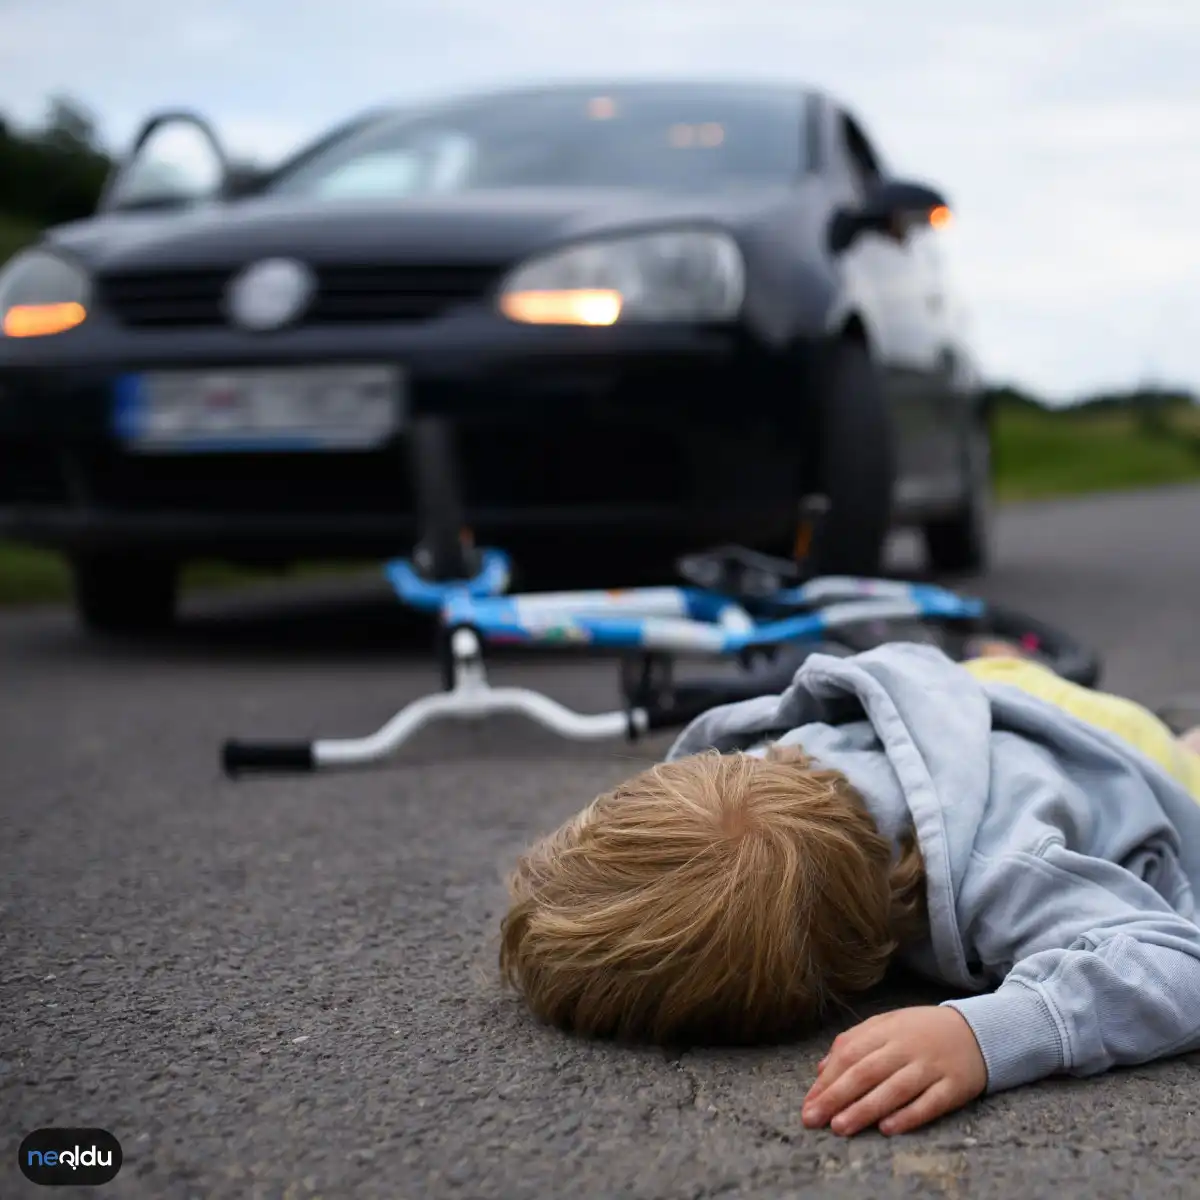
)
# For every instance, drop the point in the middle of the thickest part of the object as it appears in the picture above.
(1061, 862)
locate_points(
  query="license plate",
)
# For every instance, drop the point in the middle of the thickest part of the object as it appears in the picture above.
(259, 409)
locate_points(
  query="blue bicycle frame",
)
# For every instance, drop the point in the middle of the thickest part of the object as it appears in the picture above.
(653, 622)
(680, 620)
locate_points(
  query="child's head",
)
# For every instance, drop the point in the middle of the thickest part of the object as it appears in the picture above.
(717, 897)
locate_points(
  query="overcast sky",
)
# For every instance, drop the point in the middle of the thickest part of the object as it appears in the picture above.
(1067, 132)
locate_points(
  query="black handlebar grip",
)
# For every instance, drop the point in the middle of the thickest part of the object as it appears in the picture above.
(239, 758)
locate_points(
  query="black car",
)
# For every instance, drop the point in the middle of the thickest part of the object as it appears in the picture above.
(652, 316)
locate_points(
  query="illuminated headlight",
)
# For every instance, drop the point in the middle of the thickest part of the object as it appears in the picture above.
(41, 294)
(676, 275)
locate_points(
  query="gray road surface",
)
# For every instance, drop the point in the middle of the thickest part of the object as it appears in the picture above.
(283, 988)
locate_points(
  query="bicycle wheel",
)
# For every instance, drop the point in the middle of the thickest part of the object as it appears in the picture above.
(1064, 654)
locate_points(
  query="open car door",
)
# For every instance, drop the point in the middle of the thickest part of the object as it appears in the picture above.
(176, 161)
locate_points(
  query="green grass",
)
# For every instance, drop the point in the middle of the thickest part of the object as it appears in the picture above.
(29, 576)
(1044, 454)
(1038, 455)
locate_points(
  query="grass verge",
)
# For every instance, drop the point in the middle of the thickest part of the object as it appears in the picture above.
(1045, 454)
(29, 576)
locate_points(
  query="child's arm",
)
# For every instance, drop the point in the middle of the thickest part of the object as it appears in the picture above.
(1106, 973)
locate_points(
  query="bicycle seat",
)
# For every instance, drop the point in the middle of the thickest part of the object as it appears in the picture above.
(740, 573)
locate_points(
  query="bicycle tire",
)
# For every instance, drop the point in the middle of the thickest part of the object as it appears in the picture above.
(1064, 654)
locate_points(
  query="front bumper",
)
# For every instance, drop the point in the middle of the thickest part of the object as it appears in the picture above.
(665, 431)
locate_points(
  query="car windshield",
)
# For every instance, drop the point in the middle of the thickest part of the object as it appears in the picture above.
(677, 138)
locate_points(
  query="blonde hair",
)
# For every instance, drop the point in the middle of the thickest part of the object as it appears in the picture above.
(717, 897)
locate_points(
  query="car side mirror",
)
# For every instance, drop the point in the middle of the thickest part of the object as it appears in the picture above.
(891, 204)
(175, 161)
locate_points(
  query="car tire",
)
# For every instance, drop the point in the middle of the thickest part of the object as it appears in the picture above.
(855, 470)
(125, 594)
(960, 544)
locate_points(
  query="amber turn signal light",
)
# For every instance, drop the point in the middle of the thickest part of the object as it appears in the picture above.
(41, 320)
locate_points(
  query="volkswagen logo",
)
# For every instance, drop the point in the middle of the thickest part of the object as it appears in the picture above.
(270, 294)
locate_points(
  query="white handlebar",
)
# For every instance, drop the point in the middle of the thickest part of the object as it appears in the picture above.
(473, 697)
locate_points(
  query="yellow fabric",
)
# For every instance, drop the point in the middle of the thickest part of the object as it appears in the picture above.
(1125, 718)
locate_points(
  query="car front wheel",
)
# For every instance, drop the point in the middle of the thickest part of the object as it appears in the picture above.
(124, 594)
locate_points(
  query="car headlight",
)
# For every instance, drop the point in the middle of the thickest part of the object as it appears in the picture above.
(41, 294)
(675, 275)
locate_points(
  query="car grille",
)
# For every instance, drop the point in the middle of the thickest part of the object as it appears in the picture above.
(565, 465)
(345, 295)
(31, 473)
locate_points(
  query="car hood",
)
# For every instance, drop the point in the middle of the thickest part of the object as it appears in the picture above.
(495, 227)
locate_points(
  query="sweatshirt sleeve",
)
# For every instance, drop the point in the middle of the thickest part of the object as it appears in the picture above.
(1100, 971)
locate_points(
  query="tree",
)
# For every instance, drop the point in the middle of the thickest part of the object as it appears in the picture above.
(54, 173)
(69, 127)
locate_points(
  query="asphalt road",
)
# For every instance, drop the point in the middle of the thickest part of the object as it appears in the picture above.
(284, 988)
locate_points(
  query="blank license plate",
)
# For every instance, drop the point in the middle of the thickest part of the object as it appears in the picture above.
(259, 409)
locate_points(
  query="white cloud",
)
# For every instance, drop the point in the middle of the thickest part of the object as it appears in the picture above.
(1067, 134)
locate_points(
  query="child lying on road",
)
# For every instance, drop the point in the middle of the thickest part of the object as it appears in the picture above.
(1033, 844)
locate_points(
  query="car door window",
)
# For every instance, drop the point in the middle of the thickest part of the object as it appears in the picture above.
(884, 261)
(861, 159)
(867, 170)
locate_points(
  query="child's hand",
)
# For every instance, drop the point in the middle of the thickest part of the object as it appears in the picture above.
(899, 1070)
